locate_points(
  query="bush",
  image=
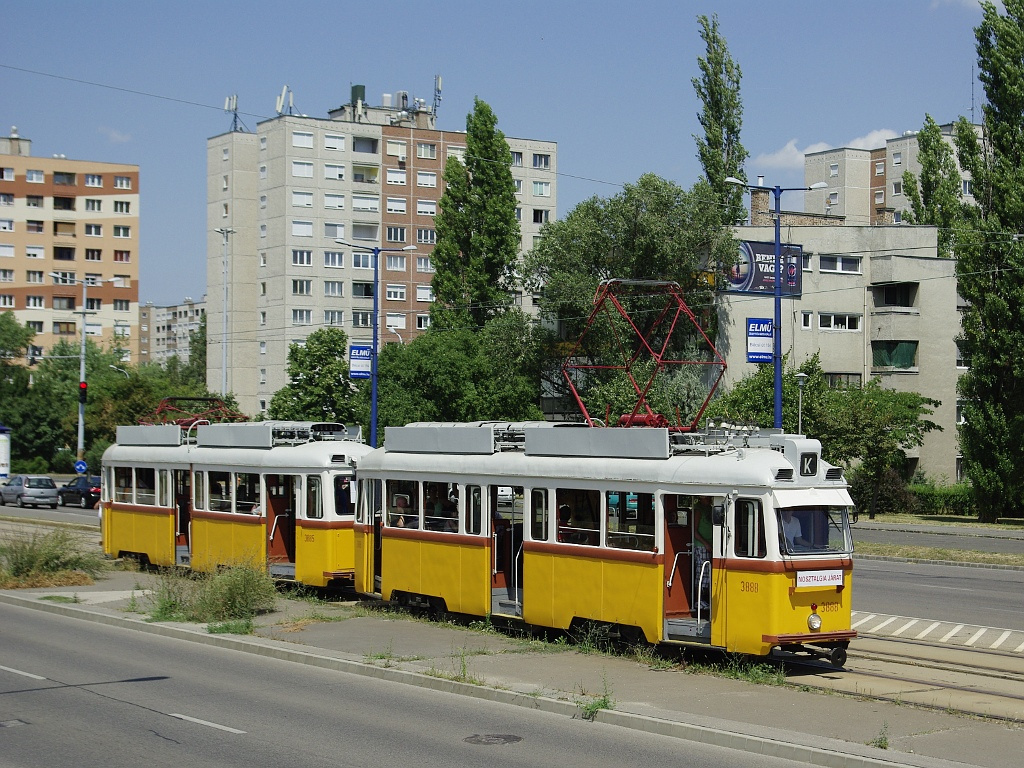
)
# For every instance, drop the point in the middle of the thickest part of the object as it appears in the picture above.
(25, 559)
(893, 494)
(944, 499)
(34, 466)
(237, 593)
(63, 462)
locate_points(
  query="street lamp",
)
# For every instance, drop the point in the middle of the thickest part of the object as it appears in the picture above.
(224, 232)
(120, 370)
(377, 251)
(777, 324)
(801, 379)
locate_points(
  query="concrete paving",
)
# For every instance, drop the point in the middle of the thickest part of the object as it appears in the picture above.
(788, 721)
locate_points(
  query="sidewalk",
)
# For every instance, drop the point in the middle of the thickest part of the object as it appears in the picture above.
(817, 728)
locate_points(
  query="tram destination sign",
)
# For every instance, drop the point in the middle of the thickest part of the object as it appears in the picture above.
(830, 578)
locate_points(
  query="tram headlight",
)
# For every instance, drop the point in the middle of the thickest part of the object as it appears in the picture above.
(814, 620)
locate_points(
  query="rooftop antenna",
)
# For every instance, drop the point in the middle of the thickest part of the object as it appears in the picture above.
(231, 105)
(437, 94)
(279, 105)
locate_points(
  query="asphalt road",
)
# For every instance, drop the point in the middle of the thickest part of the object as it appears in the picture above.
(80, 693)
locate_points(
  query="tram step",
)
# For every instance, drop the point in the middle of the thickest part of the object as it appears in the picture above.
(182, 556)
(283, 570)
(687, 629)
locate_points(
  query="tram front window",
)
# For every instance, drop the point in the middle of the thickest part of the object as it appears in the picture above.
(815, 530)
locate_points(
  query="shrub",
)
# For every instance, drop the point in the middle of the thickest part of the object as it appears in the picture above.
(893, 494)
(59, 551)
(63, 462)
(235, 594)
(944, 499)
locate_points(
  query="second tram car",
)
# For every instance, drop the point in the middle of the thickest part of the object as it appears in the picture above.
(276, 493)
(730, 540)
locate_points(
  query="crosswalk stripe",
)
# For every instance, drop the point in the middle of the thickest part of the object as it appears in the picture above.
(927, 631)
(974, 638)
(905, 627)
(951, 632)
(1002, 638)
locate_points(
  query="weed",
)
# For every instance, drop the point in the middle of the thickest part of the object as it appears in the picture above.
(61, 598)
(233, 627)
(590, 705)
(648, 656)
(737, 667)
(55, 558)
(882, 739)
(237, 592)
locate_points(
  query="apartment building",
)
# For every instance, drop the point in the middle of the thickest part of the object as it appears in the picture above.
(165, 331)
(69, 247)
(294, 212)
(876, 301)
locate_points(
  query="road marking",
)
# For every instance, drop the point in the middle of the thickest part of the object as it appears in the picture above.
(1019, 648)
(951, 632)
(975, 637)
(23, 674)
(999, 642)
(205, 722)
(905, 627)
(884, 624)
(868, 618)
(927, 631)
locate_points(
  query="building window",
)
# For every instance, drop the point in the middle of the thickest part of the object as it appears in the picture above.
(841, 380)
(426, 207)
(63, 203)
(331, 171)
(263, 230)
(366, 203)
(519, 186)
(839, 263)
(263, 347)
(422, 322)
(362, 261)
(263, 375)
(34, 177)
(960, 413)
(395, 176)
(426, 151)
(426, 179)
(123, 256)
(879, 197)
(6, 225)
(459, 152)
(33, 201)
(334, 231)
(967, 187)
(91, 204)
(31, 251)
(302, 139)
(62, 253)
(833, 169)
(263, 142)
(833, 198)
(897, 158)
(424, 293)
(396, 205)
(94, 304)
(423, 264)
(897, 188)
(302, 258)
(263, 171)
(32, 276)
(395, 235)
(263, 201)
(6, 300)
(122, 231)
(362, 290)
(34, 226)
(7, 276)
(805, 320)
(122, 206)
(897, 217)
(901, 355)
(519, 213)
(542, 188)
(396, 262)
(94, 230)
(896, 295)
(334, 288)
(263, 317)
(334, 202)
(300, 169)
(334, 142)
(362, 319)
(302, 287)
(880, 168)
(365, 231)
(35, 302)
(540, 215)
(334, 259)
(395, 293)
(6, 174)
(334, 317)
(64, 329)
(122, 182)
(302, 317)
(122, 305)
(64, 303)
(838, 322)
(517, 159)
(7, 251)
(541, 161)
(302, 199)
(64, 178)
(426, 235)
(302, 228)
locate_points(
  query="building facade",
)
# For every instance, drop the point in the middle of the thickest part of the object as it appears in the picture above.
(281, 199)
(69, 229)
(165, 331)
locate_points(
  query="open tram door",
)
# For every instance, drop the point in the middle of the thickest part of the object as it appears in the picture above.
(182, 517)
(367, 538)
(282, 505)
(505, 506)
(693, 582)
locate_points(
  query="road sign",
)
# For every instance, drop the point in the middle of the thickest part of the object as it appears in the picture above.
(81, 467)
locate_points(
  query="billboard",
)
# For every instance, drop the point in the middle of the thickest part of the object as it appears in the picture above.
(760, 340)
(754, 271)
(359, 361)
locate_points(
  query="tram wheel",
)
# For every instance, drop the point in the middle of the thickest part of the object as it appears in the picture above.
(837, 657)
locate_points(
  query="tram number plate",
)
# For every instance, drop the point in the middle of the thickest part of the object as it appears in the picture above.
(748, 586)
(829, 578)
(310, 537)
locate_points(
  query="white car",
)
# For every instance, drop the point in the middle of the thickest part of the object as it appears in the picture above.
(29, 491)
(505, 495)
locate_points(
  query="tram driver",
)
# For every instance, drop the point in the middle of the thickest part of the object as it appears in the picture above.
(793, 530)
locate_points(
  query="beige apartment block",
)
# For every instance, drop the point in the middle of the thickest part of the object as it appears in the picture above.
(367, 176)
(78, 220)
(165, 331)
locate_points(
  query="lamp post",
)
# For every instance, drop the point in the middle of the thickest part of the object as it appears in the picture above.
(120, 370)
(777, 323)
(801, 379)
(377, 251)
(224, 232)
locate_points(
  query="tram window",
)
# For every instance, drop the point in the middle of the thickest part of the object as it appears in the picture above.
(220, 491)
(539, 514)
(750, 540)
(677, 510)
(199, 490)
(579, 515)
(439, 511)
(314, 500)
(474, 509)
(403, 498)
(145, 486)
(630, 520)
(344, 496)
(247, 493)
(123, 485)
(814, 529)
(164, 487)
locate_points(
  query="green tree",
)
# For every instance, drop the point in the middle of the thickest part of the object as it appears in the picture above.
(990, 271)
(936, 198)
(478, 236)
(720, 152)
(318, 386)
(14, 338)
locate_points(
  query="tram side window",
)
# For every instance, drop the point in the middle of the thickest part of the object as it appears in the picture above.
(164, 487)
(220, 491)
(474, 509)
(145, 486)
(440, 512)
(123, 485)
(247, 493)
(199, 490)
(403, 499)
(539, 514)
(344, 496)
(314, 499)
(750, 539)
(630, 520)
(579, 515)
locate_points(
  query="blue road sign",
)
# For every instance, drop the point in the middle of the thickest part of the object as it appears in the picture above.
(80, 467)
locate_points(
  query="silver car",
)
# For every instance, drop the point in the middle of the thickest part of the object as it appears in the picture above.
(29, 491)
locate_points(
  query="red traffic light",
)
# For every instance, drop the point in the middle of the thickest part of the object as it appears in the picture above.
(83, 390)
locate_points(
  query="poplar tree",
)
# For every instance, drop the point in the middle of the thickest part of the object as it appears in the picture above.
(990, 270)
(720, 152)
(936, 198)
(478, 235)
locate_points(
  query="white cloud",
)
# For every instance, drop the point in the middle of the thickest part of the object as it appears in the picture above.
(791, 158)
(114, 136)
(873, 140)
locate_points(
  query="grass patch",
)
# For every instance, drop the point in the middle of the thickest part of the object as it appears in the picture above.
(939, 553)
(591, 704)
(942, 520)
(235, 594)
(53, 559)
(737, 667)
(882, 739)
(61, 598)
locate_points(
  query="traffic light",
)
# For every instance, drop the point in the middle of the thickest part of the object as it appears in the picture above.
(83, 390)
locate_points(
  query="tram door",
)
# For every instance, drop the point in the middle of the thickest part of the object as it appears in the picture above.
(367, 538)
(282, 504)
(183, 516)
(678, 556)
(506, 514)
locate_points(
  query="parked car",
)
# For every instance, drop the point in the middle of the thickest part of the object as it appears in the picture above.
(29, 491)
(83, 491)
(505, 494)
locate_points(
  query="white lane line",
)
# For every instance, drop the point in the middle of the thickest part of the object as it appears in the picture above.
(866, 618)
(1019, 648)
(1002, 638)
(905, 627)
(206, 722)
(951, 632)
(974, 638)
(23, 674)
(884, 624)
(927, 631)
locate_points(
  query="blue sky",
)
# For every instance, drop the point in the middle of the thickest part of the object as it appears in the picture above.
(144, 83)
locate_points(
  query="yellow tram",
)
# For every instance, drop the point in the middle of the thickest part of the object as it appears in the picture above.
(735, 540)
(280, 493)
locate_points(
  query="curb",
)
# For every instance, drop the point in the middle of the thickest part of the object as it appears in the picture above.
(820, 751)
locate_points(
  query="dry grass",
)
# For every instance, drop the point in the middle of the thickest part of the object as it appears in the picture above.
(938, 553)
(59, 579)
